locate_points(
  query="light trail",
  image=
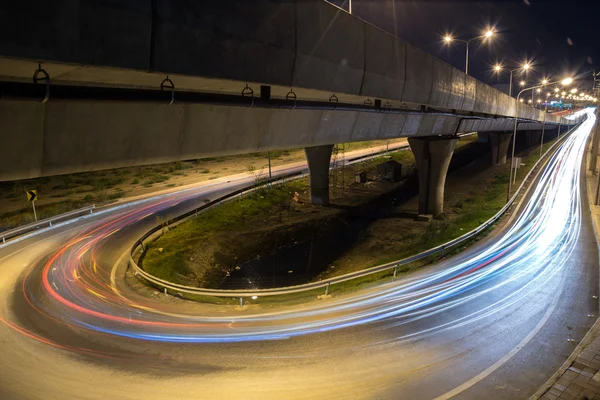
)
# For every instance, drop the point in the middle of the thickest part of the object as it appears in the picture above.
(524, 259)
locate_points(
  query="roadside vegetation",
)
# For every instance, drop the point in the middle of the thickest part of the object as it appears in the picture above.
(177, 257)
(63, 193)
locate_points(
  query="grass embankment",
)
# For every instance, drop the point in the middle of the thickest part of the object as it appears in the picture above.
(473, 195)
(192, 252)
(63, 193)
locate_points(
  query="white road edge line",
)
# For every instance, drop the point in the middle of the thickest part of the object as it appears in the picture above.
(484, 374)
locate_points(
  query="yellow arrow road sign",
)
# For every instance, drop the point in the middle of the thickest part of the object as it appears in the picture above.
(31, 195)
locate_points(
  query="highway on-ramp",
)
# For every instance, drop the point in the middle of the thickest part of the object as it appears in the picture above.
(494, 321)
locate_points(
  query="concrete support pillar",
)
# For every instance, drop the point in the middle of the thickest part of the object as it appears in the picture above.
(499, 143)
(432, 157)
(318, 158)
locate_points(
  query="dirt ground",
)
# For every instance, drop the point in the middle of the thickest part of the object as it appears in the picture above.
(390, 238)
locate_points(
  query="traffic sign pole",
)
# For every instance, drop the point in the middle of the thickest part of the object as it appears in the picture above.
(34, 213)
(32, 197)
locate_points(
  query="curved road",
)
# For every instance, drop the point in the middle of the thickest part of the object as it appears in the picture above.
(493, 322)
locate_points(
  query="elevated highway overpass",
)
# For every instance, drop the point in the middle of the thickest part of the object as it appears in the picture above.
(247, 76)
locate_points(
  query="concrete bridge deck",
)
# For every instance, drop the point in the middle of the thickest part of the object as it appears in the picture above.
(309, 47)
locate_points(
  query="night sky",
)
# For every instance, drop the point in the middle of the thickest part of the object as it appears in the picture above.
(561, 37)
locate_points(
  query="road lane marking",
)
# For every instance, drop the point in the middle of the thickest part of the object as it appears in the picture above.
(484, 374)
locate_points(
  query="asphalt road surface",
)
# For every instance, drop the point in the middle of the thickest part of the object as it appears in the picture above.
(494, 321)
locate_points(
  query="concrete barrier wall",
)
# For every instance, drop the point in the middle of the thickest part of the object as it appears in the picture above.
(303, 43)
(385, 71)
(245, 40)
(441, 89)
(110, 32)
(458, 90)
(307, 43)
(470, 93)
(419, 73)
(330, 48)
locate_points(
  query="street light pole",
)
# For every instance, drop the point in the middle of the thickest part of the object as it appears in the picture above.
(566, 81)
(467, 58)
(449, 39)
(514, 139)
(498, 68)
(543, 128)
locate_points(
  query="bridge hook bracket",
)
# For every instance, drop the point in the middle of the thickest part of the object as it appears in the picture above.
(247, 91)
(168, 83)
(45, 77)
(291, 96)
(334, 99)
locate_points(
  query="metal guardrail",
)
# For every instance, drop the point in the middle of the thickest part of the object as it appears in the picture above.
(241, 293)
(43, 222)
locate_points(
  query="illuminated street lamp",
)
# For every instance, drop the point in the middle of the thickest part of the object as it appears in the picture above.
(564, 82)
(498, 68)
(522, 83)
(486, 35)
